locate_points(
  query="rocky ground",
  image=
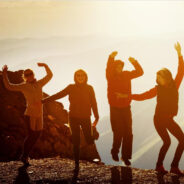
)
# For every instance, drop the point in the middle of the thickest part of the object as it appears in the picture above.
(59, 170)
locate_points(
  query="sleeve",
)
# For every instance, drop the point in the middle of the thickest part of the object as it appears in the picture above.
(137, 72)
(180, 72)
(110, 67)
(10, 86)
(61, 94)
(146, 95)
(47, 78)
(94, 103)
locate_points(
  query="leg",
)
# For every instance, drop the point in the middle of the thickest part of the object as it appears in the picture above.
(175, 130)
(127, 135)
(162, 131)
(75, 130)
(115, 117)
(87, 130)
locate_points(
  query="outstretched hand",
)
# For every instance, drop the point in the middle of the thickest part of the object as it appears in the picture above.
(132, 60)
(41, 64)
(177, 46)
(113, 54)
(5, 69)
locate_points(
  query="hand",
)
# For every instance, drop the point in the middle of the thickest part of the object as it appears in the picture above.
(121, 95)
(178, 48)
(132, 60)
(95, 123)
(113, 54)
(42, 64)
(5, 69)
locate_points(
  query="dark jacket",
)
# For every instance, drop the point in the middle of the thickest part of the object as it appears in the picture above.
(82, 100)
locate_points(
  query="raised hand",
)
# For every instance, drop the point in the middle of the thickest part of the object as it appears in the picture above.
(113, 54)
(41, 64)
(177, 46)
(132, 60)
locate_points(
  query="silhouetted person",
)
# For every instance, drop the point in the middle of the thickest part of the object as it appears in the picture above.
(119, 83)
(166, 92)
(32, 90)
(82, 101)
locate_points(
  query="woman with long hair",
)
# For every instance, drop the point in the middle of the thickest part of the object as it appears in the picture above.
(166, 92)
(32, 91)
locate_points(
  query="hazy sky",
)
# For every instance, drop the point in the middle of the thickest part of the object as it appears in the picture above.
(60, 18)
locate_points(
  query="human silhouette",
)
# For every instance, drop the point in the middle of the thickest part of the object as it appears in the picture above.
(82, 101)
(166, 92)
(119, 88)
(32, 91)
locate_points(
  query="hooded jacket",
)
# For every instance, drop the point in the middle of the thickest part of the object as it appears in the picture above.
(81, 97)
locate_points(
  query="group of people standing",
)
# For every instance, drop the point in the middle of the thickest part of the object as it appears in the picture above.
(82, 102)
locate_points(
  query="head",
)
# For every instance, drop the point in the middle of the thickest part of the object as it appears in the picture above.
(118, 66)
(28, 75)
(80, 77)
(164, 77)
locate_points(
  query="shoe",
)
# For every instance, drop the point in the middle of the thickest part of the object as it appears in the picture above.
(161, 169)
(126, 161)
(25, 160)
(176, 170)
(115, 156)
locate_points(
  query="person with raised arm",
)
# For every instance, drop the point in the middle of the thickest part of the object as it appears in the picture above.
(82, 100)
(118, 91)
(32, 91)
(166, 92)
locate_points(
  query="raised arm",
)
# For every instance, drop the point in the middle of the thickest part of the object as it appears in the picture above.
(49, 75)
(180, 72)
(110, 65)
(138, 69)
(94, 106)
(146, 95)
(61, 94)
(8, 85)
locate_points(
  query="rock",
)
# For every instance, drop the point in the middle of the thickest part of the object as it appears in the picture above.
(14, 127)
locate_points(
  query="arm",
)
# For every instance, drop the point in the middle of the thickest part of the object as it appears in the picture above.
(110, 65)
(94, 106)
(138, 69)
(180, 72)
(61, 94)
(144, 96)
(8, 85)
(49, 75)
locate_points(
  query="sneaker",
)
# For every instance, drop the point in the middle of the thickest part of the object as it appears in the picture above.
(115, 156)
(126, 162)
(176, 170)
(161, 169)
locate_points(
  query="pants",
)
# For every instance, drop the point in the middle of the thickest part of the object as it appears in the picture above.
(163, 125)
(75, 124)
(121, 124)
(30, 140)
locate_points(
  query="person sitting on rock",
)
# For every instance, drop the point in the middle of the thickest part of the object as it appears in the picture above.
(166, 91)
(32, 90)
(82, 100)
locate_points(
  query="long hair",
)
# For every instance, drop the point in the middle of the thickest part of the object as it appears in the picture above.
(167, 75)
